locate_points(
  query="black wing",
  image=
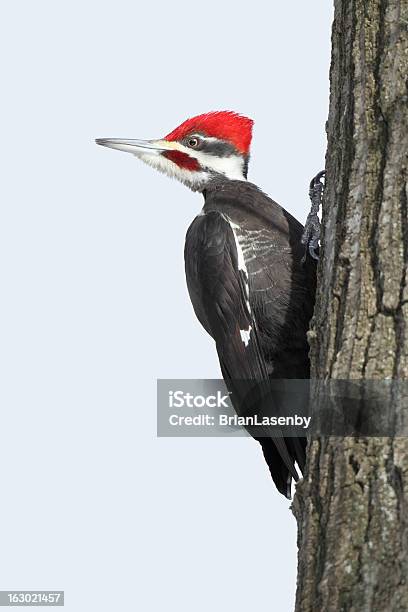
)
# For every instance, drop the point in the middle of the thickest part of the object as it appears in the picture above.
(219, 290)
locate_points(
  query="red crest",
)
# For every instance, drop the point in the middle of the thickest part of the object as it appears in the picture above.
(225, 125)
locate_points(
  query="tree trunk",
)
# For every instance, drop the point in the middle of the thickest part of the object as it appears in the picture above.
(352, 506)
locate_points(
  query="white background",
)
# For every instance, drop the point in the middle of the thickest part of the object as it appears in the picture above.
(94, 306)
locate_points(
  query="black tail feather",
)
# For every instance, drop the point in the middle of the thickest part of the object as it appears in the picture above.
(281, 475)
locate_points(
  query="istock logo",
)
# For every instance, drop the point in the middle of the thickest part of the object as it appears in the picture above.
(179, 399)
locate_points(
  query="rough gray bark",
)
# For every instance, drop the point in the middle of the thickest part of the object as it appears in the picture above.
(352, 507)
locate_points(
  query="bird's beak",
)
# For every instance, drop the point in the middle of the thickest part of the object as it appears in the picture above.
(153, 147)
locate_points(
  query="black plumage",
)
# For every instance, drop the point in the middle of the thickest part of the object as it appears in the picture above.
(254, 296)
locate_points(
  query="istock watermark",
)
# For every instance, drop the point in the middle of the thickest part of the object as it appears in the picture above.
(208, 408)
(276, 408)
(181, 399)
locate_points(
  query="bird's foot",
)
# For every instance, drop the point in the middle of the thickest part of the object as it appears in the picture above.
(311, 233)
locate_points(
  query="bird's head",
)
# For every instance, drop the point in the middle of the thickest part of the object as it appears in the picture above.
(197, 151)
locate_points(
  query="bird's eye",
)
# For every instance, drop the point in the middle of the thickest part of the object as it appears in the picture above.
(193, 142)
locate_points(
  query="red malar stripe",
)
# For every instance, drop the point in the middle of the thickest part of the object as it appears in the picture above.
(182, 160)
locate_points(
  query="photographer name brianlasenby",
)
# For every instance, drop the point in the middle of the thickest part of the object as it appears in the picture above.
(226, 420)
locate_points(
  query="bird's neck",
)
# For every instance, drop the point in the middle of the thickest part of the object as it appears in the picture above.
(218, 182)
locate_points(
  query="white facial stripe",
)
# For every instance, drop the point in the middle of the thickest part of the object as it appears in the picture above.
(205, 138)
(195, 180)
(232, 167)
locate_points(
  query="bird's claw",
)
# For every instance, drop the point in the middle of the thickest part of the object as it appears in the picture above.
(313, 246)
(311, 233)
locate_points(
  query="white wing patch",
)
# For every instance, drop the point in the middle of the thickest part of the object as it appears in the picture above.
(245, 333)
(240, 252)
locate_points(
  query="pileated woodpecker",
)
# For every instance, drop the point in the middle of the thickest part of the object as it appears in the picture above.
(243, 258)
